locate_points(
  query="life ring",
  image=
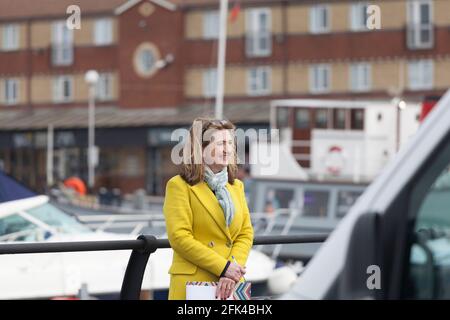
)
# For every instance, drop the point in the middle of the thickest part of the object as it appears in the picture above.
(77, 184)
(335, 160)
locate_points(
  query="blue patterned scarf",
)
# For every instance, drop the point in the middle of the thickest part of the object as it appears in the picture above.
(217, 183)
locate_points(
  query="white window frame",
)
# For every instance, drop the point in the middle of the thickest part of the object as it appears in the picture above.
(415, 27)
(211, 24)
(323, 71)
(11, 84)
(104, 87)
(58, 89)
(314, 12)
(209, 82)
(255, 83)
(10, 36)
(421, 74)
(256, 32)
(357, 9)
(103, 31)
(360, 77)
(62, 44)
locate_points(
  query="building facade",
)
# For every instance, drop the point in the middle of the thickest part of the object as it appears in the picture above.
(157, 64)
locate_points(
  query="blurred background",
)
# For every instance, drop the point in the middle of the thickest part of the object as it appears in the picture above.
(347, 83)
(275, 50)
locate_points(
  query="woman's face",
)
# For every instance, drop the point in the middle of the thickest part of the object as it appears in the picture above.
(220, 150)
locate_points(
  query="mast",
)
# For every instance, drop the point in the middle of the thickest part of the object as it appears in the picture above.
(221, 58)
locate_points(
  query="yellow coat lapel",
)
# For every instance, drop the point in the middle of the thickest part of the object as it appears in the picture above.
(210, 202)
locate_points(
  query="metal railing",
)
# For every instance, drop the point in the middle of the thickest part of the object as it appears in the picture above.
(420, 35)
(258, 43)
(141, 248)
(62, 54)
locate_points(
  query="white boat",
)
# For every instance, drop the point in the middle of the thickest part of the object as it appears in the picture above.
(49, 275)
(310, 173)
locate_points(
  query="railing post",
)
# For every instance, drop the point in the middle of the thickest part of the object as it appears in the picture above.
(132, 281)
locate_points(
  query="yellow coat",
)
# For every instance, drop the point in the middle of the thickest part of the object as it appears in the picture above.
(197, 232)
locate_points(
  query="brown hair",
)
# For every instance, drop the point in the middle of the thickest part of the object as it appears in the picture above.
(193, 170)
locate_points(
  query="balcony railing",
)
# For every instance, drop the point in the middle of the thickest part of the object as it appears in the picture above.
(420, 36)
(62, 54)
(141, 248)
(258, 44)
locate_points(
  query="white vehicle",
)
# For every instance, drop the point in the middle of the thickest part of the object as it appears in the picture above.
(395, 241)
(48, 275)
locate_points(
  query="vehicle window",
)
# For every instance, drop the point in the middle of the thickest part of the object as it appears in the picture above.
(429, 269)
(16, 228)
(57, 219)
(345, 201)
(316, 203)
(278, 198)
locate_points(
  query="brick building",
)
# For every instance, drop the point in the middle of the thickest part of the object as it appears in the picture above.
(157, 58)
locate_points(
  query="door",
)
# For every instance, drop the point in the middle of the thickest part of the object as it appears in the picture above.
(420, 24)
(62, 44)
(426, 268)
(258, 38)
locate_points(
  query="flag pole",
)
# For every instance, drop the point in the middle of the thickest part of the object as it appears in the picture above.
(221, 58)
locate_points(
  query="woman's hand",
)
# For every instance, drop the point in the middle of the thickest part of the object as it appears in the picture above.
(225, 288)
(235, 272)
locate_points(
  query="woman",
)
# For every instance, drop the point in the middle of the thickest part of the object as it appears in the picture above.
(207, 217)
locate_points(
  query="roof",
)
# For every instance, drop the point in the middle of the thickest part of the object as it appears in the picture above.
(22, 9)
(114, 117)
(19, 9)
(195, 3)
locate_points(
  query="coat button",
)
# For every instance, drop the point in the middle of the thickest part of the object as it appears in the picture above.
(229, 244)
(211, 244)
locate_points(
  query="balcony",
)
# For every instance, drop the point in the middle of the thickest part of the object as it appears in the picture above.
(62, 54)
(258, 44)
(420, 36)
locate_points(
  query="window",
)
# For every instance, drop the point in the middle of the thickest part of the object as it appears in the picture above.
(104, 87)
(103, 31)
(145, 59)
(319, 78)
(359, 16)
(211, 25)
(428, 265)
(258, 81)
(302, 119)
(357, 119)
(339, 118)
(319, 19)
(258, 29)
(345, 201)
(16, 228)
(131, 165)
(62, 44)
(278, 198)
(62, 89)
(321, 119)
(10, 37)
(421, 74)
(57, 219)
(282, 117)
(420, 25)
(360, 77)
(11, 91)
(210, 82)
(315, 203)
